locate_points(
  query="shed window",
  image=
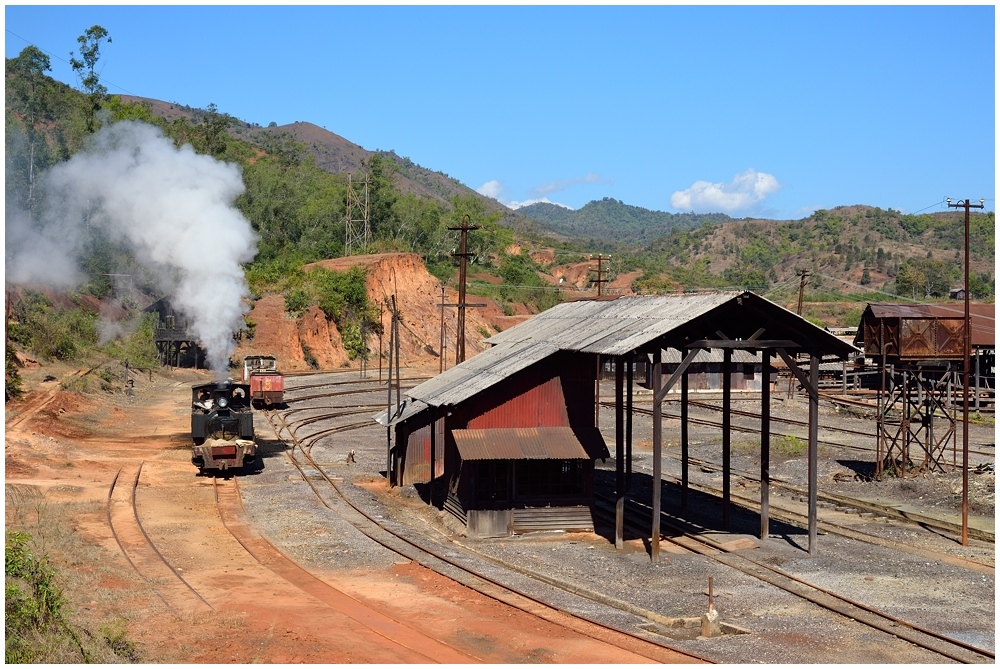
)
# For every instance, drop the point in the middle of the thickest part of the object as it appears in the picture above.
(491, 480)
(534, 478)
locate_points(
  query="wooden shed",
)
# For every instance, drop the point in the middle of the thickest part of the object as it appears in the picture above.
(507, 439)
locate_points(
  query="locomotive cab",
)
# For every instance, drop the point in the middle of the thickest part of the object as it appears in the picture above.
(221, 426)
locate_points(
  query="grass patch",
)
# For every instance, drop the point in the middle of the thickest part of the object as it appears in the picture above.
(781, 446)
(49, 567)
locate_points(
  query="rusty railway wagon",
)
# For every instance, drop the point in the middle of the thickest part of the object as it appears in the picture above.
(222, 426)
(267, 384)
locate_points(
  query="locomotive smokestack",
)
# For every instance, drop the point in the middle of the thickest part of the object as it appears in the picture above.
(174, 209)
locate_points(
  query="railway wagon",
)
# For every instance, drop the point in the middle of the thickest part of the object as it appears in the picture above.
(267, 384)
(222, 426)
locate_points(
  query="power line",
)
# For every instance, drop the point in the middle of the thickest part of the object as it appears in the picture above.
(52, 55)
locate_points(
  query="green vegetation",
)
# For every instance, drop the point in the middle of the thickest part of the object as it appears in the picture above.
(33, 603)
(41, 624)
(788, 446)
(299, 212)
(12, 377)
(53, 333)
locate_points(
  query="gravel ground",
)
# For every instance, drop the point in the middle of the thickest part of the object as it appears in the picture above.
(777, 627)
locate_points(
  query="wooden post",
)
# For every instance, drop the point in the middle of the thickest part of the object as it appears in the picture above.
(727, 382)
(813, 446)
(619, 456)
(657, 452)
(765, 442)
(685, 455)
(628, 421)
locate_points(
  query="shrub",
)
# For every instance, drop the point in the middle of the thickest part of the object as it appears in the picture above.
(33, 603)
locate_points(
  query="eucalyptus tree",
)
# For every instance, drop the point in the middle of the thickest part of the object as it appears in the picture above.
(27, 86)
(86, 69)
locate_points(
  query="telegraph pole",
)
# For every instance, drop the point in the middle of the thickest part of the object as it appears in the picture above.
(463, 254)
(966, 354)
(802, 289)
(600, 272)
(441, 362)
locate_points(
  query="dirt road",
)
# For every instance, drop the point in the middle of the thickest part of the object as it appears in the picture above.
(212, 598)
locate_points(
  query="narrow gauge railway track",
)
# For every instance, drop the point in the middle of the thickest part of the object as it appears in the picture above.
(379, 385)
(140, 551)
(840, 502)
(922, 637)
(340, 393)
(293, 430)
(436, 558)
(230, 506)
(756, 430)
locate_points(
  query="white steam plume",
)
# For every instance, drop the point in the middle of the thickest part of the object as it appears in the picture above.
(175, 209)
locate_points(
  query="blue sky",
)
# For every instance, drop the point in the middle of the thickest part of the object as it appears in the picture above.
(754, 111)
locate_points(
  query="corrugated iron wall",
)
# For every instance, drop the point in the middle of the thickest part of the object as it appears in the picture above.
(539, 406)
(417, 467)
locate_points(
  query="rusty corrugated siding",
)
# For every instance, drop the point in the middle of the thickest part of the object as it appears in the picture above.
(520, 443)
(417, 467)
(530, 405)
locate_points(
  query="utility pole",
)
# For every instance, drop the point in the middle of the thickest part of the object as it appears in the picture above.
(966, 354)
(600, 281)
(463, 254)
(802, 288)
(441, 364)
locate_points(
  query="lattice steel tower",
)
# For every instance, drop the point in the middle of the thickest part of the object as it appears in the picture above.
(358, 217)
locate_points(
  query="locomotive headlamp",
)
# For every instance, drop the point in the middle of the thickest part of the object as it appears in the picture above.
(223, 402)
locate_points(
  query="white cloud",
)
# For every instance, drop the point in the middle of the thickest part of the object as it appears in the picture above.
(491, 189)
(743, 192)
(495, 189)
(563, 184)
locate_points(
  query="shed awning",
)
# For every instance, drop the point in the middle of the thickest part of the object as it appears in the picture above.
(531, 443)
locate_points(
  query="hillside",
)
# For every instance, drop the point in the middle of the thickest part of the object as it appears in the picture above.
(848, 249)
(610, 220)
(295, 202)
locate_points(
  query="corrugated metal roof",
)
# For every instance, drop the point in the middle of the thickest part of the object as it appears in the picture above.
(529, 443)
(612, 327)
(671, 356)
(480, 372)
(615, 327)
(407, 408)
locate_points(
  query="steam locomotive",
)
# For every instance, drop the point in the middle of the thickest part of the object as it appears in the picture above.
(222, 426)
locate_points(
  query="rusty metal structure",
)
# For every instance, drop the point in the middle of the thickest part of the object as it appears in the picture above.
(919, 352)
(474, 434)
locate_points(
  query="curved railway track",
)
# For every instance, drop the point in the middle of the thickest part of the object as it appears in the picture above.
(391, 631)
(140, 551)
(442, 559)
(941, 644)
(856, 611)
